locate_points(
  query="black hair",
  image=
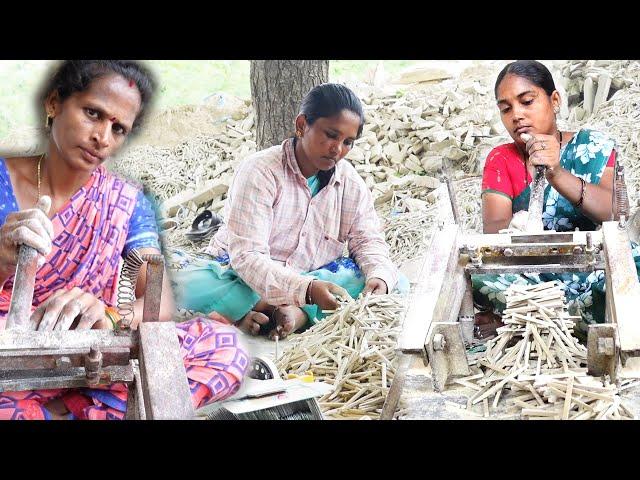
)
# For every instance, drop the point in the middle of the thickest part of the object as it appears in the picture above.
(533, 71)
(329, 99)
(73, 76)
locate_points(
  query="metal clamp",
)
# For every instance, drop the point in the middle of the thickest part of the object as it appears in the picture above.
(446, 354)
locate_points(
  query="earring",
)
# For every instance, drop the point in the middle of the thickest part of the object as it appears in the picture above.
(48, 120)
(298, 134)
(556, 110)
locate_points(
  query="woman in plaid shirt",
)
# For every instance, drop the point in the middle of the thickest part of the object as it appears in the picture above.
(292, 211)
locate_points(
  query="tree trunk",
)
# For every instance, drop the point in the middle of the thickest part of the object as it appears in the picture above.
(277, 88)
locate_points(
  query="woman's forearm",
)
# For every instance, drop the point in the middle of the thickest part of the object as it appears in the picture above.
(496, 213)
(489, 226)
(596, 202)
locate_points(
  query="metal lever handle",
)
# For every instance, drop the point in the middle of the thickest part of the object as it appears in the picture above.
(24, 280)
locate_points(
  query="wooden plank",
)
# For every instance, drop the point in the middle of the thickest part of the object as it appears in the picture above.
(427, 303)
(164, 380)
(622, 288)
(211, 189)
(567, 400)
(397, 385)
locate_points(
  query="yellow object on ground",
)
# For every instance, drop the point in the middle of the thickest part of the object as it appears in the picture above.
(306, 377)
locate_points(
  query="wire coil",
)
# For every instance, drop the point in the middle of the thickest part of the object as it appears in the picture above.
(127, 286)
(620, 194)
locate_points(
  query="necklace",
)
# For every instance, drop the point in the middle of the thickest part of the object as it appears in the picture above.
(39, 181)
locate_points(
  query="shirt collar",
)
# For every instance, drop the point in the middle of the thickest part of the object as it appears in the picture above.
(290, 159)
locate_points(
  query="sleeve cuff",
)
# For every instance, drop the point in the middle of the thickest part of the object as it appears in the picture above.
(390, 277)
(302, 293)
(491, 190)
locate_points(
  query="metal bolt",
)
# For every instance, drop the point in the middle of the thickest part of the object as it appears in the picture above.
(476, 256)
(438, 342)
(622, 223)
(92, 365)
(95, 353)
(590, 250)
(508, 252)
(553, 251)
(63, 362)
(577, 250)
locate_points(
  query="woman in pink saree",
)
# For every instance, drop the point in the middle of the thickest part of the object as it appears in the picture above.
(92, 219)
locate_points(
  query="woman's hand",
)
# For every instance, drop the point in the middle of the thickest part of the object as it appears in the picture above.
(29, 227)
(543, 150)
(324, 294)
(376, 286)
(62, 308)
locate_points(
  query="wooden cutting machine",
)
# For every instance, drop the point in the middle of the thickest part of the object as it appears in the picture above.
(147, 359)
(443, 296)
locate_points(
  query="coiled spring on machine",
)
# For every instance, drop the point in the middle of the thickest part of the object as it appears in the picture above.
(620, 193)
(127, 286)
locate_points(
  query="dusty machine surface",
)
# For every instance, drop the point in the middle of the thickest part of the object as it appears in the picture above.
(147, 359)
(431, 348)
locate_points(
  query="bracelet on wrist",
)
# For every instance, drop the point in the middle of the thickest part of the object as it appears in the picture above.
(582, 192)
(309, 300)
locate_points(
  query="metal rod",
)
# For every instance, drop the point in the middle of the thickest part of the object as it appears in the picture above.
(153, 292)
(23, 286)
(534, 220)
(497, 269)
(452, 191)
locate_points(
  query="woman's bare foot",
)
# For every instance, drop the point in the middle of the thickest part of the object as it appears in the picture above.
(487, 324)
(251, 322)
(288, 320)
